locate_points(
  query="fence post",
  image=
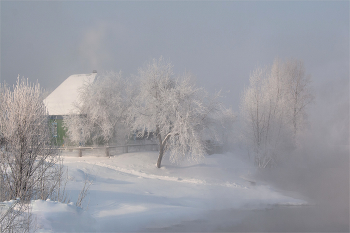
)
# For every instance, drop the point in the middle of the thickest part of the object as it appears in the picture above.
(80, 152)
(107, 152)
(126, 149)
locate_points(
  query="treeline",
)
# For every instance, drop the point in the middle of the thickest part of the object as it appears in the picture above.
(182, 117)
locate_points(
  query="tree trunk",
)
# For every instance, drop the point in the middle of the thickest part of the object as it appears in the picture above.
(161, 148)
(162, 144)
(160, 157)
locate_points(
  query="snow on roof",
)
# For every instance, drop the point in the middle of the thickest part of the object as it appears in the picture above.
(61, 100)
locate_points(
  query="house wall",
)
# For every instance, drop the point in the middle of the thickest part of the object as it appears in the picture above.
(59, 132)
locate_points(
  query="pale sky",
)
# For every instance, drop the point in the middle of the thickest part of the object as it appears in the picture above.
(219, 42)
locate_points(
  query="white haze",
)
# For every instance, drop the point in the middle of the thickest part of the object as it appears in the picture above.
(318, 171)
(220, 43)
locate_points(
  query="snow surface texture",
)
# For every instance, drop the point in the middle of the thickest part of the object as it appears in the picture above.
(61, 100)
(130, 194)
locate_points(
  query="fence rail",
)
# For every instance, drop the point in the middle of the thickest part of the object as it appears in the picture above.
(125, 148)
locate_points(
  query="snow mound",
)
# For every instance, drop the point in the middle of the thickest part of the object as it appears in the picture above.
(52, 216)
(140, 174)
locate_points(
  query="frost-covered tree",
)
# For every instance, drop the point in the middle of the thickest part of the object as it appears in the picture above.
(181, 115)
(273, 107)
(26, 149)
(102, 110)
(255, 115)
(298, 92)
(27, 158)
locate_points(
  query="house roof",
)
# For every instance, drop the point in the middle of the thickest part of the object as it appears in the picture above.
(61, 101)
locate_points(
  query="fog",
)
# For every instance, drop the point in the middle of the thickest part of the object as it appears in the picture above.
(220, 43)
(317, 171)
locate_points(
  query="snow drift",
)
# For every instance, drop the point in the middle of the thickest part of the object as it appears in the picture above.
(130, 194)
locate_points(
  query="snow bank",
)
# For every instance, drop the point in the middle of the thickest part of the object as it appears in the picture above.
(130, 194)
(54, 216)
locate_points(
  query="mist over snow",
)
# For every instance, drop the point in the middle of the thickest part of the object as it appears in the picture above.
(246, 102)
(130, 194)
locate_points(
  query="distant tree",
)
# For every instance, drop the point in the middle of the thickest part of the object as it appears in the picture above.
(299, 94)
(255, 114)
(181, 115)
(273, 107)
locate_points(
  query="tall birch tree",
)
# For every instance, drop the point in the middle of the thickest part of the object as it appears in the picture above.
(299, 94)
(273, 109)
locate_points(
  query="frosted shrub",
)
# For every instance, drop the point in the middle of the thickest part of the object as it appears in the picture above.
(27, 157)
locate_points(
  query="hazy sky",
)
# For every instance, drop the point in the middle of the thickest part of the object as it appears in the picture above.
(219, 42)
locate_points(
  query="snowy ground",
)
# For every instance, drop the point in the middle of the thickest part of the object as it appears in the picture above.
(130, 194)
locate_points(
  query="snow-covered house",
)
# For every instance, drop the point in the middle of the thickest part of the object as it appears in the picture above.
(63, 99)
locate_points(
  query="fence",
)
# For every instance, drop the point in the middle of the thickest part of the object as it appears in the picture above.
(114, 149)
